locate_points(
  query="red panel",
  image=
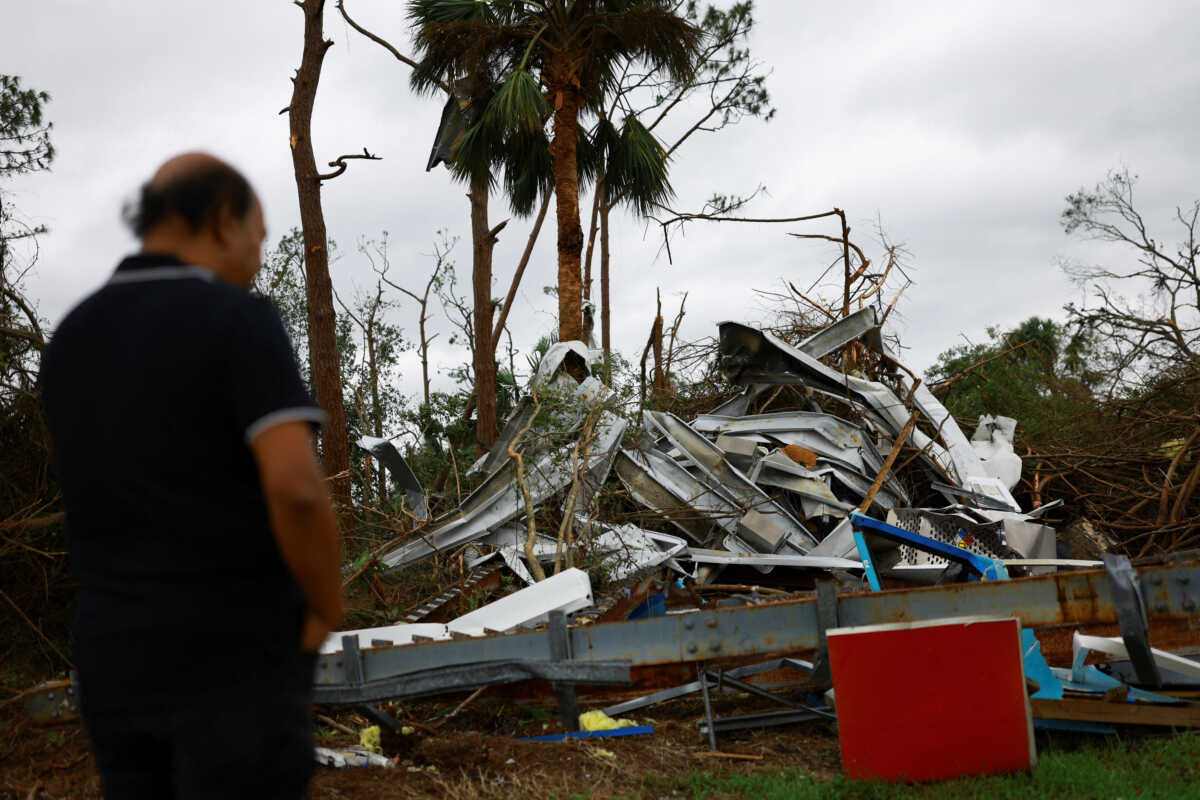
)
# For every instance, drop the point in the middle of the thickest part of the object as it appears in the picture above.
(931, 700)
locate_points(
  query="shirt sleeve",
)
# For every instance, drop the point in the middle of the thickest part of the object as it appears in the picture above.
(265, 379)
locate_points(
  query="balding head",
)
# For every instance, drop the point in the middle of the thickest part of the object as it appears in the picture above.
(192, 188)
(202, 210)
(184, 164)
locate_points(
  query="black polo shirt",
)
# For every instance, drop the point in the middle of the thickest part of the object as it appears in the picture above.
(153, 388)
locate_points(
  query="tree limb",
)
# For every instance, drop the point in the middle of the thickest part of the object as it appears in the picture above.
(340, 163)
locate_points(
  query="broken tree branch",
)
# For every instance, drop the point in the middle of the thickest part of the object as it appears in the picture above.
(942, 386)
(340, 163)
(530, 513)
(516, 281)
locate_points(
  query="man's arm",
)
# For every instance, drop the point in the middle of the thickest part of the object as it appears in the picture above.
(303, 522)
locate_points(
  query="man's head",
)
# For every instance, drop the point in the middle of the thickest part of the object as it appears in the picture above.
(202, 210)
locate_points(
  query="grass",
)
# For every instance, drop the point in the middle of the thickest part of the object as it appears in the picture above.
(1155, 768)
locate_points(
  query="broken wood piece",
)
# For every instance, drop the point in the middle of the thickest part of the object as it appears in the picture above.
(333, 723)
(1187, 716)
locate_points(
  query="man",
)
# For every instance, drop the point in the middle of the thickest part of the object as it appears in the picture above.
(198, 521)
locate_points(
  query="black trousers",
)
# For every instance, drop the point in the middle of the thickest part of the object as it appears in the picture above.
(257, 750)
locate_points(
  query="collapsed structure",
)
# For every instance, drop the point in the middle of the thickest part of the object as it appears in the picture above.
(813, 498)
(731, 487)
(848, 487)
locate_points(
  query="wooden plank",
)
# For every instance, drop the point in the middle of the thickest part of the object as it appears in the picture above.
(1117, 713)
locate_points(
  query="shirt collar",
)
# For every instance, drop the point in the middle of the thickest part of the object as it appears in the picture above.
(157, 266)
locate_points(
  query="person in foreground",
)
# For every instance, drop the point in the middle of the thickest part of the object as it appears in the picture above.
(198, 521)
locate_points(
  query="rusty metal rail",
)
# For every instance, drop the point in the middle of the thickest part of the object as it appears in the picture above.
(657, 648)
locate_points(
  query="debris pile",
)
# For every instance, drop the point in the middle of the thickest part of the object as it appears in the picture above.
(734, 488)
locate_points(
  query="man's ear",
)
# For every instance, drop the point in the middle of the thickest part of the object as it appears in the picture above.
(225, 225)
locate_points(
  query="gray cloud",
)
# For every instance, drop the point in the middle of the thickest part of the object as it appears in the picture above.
(959, 126)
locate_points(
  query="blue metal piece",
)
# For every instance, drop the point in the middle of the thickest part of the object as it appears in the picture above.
(1049, 686)
(864, 554)
(654, 606)
(633, 730)
(981, 567)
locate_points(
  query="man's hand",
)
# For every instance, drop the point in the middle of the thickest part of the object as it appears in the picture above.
(314, 633)
(303, 522)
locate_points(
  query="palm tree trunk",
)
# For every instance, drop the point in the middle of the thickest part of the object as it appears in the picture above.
(566, 193)
(323, 352)
(482, 242)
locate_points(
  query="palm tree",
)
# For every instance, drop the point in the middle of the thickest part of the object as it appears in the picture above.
(554, 59)
(475, 147)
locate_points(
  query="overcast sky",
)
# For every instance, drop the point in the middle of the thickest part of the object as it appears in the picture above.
(957, 126)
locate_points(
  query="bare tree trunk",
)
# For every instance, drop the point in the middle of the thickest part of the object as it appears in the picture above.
(566, 193)
(326, 372)
(424, 352)
(597, 200)
(605, 307)
(502, 320)
(483, 240)
(589, 316)
(376, 408)
(656, 337)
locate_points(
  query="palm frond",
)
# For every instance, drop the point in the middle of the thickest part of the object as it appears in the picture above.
(472, 162)
(528, 170)
(589, 157)
(637, 169)
(421, 12)
(518, 105)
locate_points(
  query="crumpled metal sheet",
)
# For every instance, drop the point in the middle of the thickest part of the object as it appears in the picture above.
(550, 377)
(628, 549)
(993, 443)
(727, 479)
(862, 324)
(749, 355)
(499, 499)
(659, 483)
(824, 434)
(402, 473)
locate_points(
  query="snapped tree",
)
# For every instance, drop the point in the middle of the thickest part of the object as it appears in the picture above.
(323, 353)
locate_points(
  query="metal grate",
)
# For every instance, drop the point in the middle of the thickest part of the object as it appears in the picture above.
(983, 539)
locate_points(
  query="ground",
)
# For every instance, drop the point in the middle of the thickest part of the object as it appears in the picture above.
(475, 755)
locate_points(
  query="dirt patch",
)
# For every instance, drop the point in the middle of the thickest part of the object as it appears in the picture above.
(475, 754)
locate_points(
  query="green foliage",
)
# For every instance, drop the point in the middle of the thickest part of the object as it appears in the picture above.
(727, 62)
(1155, 768)
(282, 281)
(502, 57)
(518, 106)
(33, 575)
(368, 345)
(1044, 383)
(24, 133)
(636, 168)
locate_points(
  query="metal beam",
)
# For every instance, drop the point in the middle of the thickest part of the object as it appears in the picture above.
(1067, 599)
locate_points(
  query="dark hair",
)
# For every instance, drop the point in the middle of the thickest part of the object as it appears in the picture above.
(196, 197)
